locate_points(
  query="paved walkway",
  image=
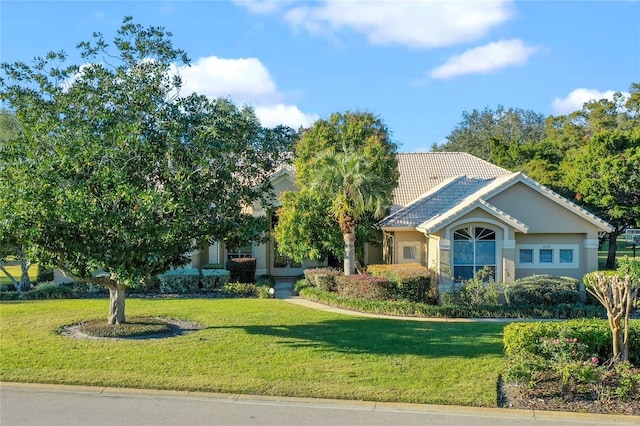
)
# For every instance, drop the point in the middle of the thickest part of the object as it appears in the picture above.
(284, 291)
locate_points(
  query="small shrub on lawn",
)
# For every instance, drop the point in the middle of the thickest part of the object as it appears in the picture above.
(323, 278)
(9, 295)
(236, 289)
(413, 281)
(542, 290)
(7, 287)
(179, 281)
(136, 327)
(214, 279)
(365, 287)
(243, 269)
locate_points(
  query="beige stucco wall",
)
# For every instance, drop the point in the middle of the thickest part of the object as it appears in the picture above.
(539, 213)
(409, 238)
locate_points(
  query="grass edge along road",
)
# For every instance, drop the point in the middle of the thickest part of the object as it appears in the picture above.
(262, 347)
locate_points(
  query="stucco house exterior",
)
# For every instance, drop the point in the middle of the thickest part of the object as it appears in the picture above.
(456, 214)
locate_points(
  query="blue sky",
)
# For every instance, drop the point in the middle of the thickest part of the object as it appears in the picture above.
(416, 64)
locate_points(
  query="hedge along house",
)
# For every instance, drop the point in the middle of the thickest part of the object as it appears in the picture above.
(457, 214)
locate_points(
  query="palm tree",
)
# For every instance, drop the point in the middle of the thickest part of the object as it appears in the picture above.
(355, 189)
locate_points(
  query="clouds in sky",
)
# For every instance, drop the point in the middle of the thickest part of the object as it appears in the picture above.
(574, 100)
(485, 59)
(413, 24)
(245, 81)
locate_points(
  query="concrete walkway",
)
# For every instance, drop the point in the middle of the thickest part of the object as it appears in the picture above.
(284, 291)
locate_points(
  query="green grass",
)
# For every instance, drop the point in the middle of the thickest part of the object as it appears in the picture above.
(624, 249)
(264, 347)
(14, 269)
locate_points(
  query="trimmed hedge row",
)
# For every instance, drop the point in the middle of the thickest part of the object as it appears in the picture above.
(323, 278)
(187, 281)
(365, 287)
(543, 290)
(595, 333)
(242, 269)
(406, 308)
(413, 281)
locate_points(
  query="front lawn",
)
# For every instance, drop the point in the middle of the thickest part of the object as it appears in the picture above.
(265, 347)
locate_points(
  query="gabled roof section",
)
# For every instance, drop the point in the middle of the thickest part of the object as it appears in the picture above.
(423, 171)
(456, 197)
(283, 169)
(439, 199)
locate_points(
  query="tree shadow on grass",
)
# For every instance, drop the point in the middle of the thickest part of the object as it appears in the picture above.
(390, 337)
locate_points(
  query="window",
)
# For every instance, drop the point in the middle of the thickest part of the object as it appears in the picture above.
(566, 255)
(410, 252)
(526, 255)
(546, 255)
(473, 249)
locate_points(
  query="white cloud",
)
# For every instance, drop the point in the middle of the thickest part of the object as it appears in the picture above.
(289, 115)
(485, 59)
(421, 24)
(578, 97)
(242, 79)
(245, 81)
(262, 6)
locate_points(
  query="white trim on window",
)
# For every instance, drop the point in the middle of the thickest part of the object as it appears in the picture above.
(551, 256)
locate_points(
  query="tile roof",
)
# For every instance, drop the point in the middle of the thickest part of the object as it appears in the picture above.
(420, 172)
(438, 200)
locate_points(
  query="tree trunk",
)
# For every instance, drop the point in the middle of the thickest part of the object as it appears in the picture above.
(117, 292)
(613, 248)
(349, 253)
(25, 282)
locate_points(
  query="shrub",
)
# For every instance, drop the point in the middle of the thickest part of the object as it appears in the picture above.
(44, 273)
(627, 265)
(413, 281)
(594, 333)
(236, 289)
(543, 290)
(365, 287)
(300, 285)
(323, 278)
(263, 288)
(406, 308)
(7, 287)
(180, 281)
(49, 290)
(9, 295)
(214, 279)
(472, 292)
(243, 269)
(213, 266)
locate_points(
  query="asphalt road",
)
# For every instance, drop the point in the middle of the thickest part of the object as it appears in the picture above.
(87, 406)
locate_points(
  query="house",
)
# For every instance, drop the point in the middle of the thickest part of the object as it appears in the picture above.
(457, 214)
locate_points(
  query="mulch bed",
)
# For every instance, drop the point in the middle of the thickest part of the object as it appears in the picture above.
(548, 395)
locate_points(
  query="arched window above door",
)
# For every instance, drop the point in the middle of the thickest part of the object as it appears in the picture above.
(474, 248)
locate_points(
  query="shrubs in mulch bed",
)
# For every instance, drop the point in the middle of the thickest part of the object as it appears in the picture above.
(564, 366)
(135, 327)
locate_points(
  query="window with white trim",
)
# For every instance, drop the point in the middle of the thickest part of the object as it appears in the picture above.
(410, 253)
(474, 248)
(547, 256)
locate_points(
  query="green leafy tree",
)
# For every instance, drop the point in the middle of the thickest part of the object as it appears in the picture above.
(347, 166)
(478, 129)
(117, 174)
(13, 227)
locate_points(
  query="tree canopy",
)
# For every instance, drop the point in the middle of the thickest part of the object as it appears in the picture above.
(114, 170)
(346, 168)
(477, 131)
